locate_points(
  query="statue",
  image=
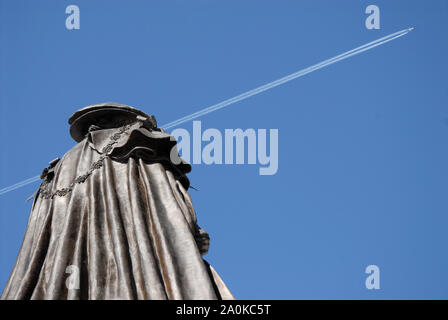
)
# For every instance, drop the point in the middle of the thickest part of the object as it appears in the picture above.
(113, 219)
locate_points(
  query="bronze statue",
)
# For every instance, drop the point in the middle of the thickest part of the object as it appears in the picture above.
(113, 219)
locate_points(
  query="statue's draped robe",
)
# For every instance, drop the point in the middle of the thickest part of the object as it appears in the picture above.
(128, 231)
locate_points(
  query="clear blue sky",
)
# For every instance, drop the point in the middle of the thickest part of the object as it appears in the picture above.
(363, 175)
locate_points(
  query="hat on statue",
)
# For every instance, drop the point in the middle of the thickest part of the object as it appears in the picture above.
(105, 115)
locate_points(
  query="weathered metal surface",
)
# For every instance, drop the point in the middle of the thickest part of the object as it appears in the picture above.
(113, 219)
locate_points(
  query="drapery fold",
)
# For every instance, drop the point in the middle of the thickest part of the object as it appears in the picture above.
(129, 231)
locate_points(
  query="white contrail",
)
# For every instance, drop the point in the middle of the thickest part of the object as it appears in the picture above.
(258, 90)
(19, 185)
(288, 78)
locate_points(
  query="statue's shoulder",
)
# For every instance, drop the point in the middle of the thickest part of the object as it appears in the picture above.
(117, 142)
(138, 142)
